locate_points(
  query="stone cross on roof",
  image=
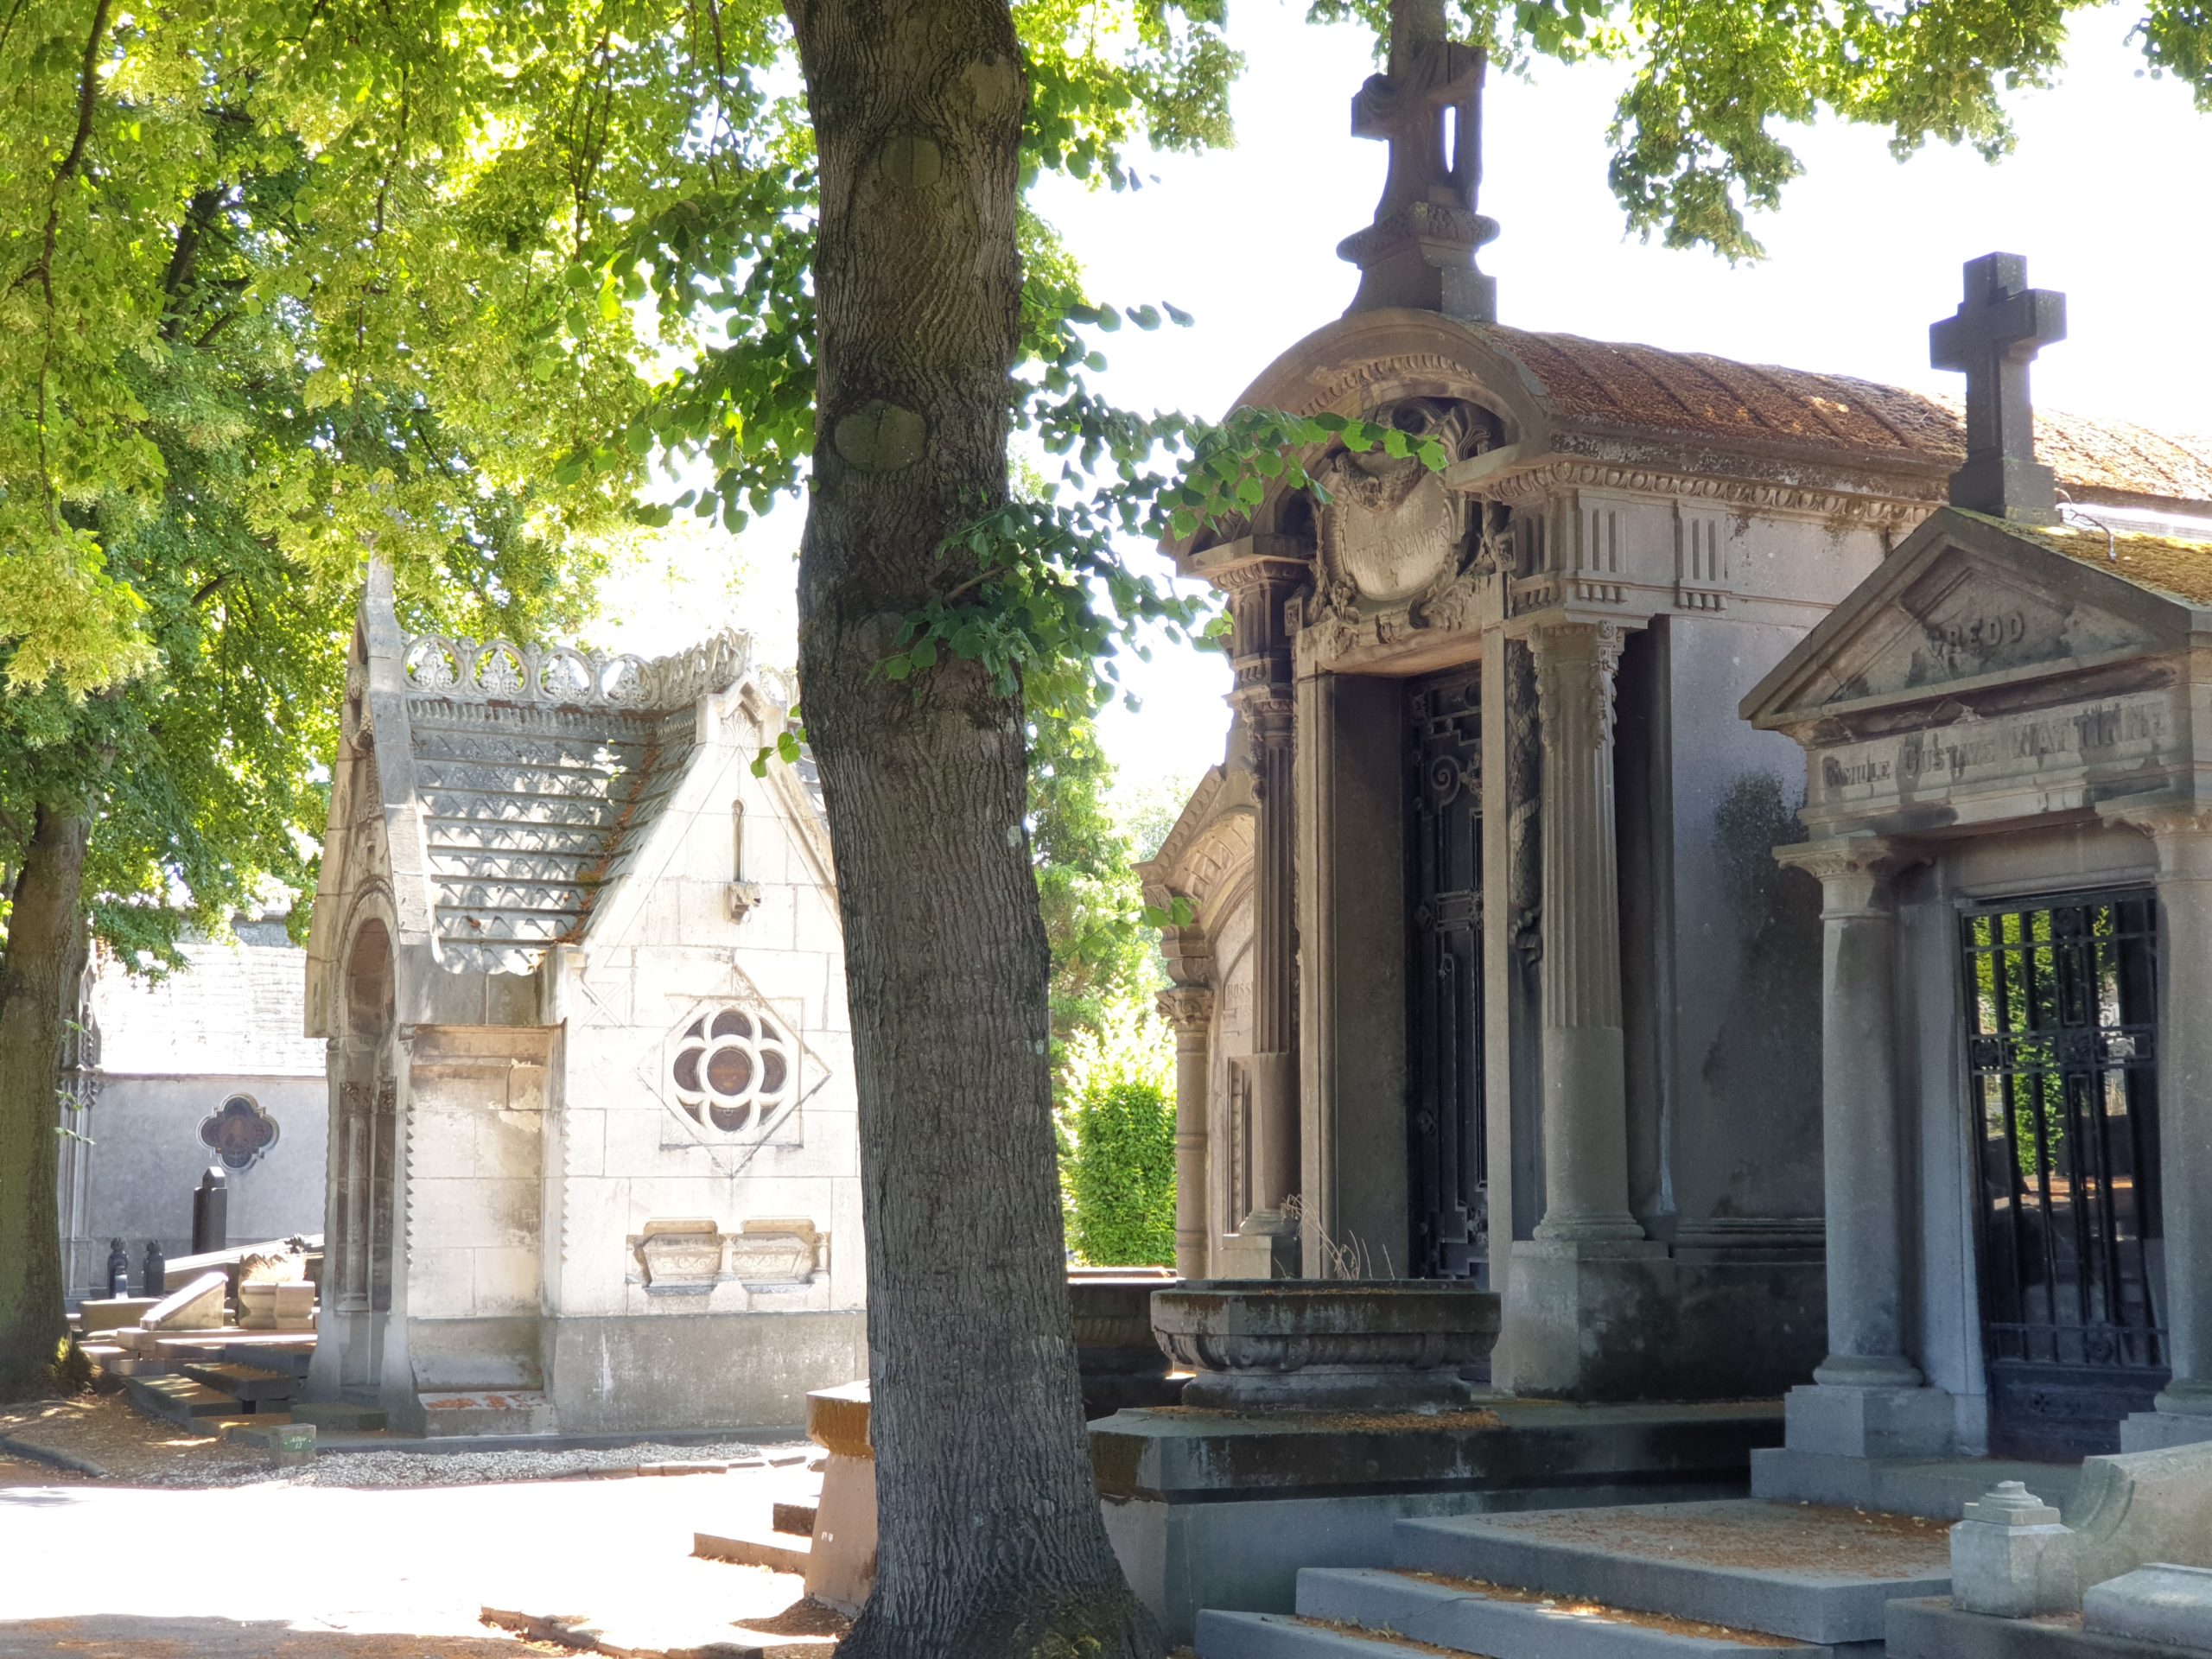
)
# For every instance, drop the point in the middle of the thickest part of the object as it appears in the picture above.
(1992, 337)
(1419, 251)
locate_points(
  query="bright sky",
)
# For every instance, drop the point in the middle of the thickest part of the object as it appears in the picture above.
(2108, 195)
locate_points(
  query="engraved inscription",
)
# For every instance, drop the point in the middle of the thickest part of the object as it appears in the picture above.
(1957, 755)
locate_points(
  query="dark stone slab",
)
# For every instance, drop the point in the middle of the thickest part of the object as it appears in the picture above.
(1933, 1628)
(1182, 1455)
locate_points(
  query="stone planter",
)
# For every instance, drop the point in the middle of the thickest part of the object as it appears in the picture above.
(1358, 1344)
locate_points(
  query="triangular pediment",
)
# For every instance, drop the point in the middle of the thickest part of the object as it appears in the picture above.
(1964, 605)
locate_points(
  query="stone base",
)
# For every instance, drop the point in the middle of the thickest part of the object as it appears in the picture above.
(2154, 1431)
(1933, 1628)
(1938, 1489)
(1210, 1510)
(752, 1371)
(1260, 1255)
(1319, 1389)
(1850, 1422)
(1625, 1320)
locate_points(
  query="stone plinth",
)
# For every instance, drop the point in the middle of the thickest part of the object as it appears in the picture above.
(1327, 1345)
(1216, 1509)
(840, 1566)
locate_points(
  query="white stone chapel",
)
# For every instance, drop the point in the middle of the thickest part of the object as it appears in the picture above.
(593, 1160)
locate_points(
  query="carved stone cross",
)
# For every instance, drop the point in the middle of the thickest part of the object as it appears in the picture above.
(1992, 337)
(1419, 251)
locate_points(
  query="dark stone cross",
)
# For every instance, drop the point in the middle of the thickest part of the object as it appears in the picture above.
(1992, 337)
(1419, 251)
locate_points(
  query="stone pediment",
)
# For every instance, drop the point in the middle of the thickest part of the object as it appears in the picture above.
(1966, 604)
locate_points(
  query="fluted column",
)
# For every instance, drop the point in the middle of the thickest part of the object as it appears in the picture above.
(1862, 1134)
(1585, 1088)
(1189, 1009)
(2183, 835)
(1261, 585)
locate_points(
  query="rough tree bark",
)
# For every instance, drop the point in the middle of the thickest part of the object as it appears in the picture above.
(991, 1540)
(46, 942)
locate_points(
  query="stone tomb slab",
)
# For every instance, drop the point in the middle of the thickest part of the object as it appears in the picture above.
(2171, 1605)
(1933, 1628)
(198, 1306)
(1817, 1575)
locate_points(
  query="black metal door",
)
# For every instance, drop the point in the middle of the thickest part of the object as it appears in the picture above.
(2062, 1051)
(1450, 1209)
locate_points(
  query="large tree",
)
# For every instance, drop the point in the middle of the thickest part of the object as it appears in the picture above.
(252, 318)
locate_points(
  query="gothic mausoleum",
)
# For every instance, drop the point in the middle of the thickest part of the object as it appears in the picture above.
(593, 1160)
(1718, 868)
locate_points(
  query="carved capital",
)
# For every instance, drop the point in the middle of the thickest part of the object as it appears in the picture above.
(1576, 663)
(1854, 872)
(1188, 1008)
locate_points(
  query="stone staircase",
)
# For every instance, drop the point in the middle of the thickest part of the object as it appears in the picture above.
(1742, 1578)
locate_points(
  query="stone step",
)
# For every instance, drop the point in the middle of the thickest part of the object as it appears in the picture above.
(1500, 1623)
(796, 1518)
(178, 1399)
(1280, 1636)
(780, 1552)
(1819, 1575)
(245, 1383)
(288, 1352)
(455, 1412)
(339, 1417)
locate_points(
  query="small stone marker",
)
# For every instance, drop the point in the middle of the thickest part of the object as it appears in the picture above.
(287, 1444)
(2172, 1605)
(198, 1306)
(1998, 1551)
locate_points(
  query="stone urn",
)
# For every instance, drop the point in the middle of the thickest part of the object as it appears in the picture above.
(1327, 1345)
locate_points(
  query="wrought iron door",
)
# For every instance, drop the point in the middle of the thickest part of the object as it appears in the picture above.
(2061, 1050)
(1450, 1209)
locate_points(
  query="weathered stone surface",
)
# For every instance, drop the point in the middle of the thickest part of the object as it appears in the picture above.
(2140, 1507)
(287, 1444)
(271, 1306)
(1933, 1628)
(1327, 1345)
(201, 1306)
(1997, 1555)
(2171, 1605)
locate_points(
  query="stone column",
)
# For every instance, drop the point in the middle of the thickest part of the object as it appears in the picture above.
(1260, 586)
(2183, 835)
(1585, 1092)
(1189, 1009)
(1869, 1399)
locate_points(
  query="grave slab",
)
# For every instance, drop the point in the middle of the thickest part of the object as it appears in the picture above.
(1817, 1575)
(2172, 1605)
(1277, 1635)
(1485, 1620)
(1933, 1628)
(198, 1306)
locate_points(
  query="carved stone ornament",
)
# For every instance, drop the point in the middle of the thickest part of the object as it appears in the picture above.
(1392, 530)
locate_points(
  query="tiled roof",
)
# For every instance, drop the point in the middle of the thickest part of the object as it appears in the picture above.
(1644, 388)
(538, 775)
(237, 1009)
(2166, 564)
(528, 813)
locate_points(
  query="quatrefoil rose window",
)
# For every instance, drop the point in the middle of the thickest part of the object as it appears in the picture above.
(733, 1067)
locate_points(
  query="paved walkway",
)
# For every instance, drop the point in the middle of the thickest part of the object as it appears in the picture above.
(287, 1570)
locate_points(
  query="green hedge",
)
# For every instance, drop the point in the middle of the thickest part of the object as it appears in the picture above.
(1120, 1175)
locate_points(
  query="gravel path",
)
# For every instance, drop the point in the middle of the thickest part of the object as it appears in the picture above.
(404, 1467)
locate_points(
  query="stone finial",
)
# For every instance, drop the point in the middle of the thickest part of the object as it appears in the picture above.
(1992, 337)
(2009, 1555)
(1419, 251)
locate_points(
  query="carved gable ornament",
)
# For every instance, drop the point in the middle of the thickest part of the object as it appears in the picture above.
(1965, 609)
(1979, 677)
(1398, 551)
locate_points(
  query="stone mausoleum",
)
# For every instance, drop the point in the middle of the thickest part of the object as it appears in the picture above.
(1718, 868)
(593, 1161)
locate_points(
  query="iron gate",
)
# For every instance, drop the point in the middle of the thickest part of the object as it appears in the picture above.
(2061, 1053)
(1450, 1210)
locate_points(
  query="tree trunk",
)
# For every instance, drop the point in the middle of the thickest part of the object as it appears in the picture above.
(39, 978)
(991, 1542)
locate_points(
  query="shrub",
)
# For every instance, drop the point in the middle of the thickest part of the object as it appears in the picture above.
(1118, 1143)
